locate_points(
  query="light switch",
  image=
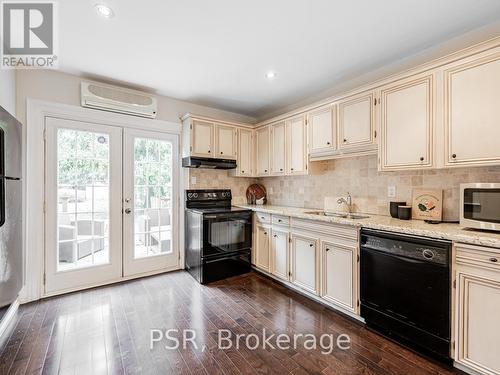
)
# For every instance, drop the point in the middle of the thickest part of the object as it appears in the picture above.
(391, 191)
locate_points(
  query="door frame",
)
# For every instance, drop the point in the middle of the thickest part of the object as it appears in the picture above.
(34, 202)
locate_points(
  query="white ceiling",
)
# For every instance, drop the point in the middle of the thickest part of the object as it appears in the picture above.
(217, 52)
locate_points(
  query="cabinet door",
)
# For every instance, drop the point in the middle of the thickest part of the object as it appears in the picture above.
(278, 148)
(407, 124)
(226, 142)
(202, 137)
(478, 323)
(322, 135)
(356, 123)
(245, 152)
(297, 146)
(304, 271)
(472, 112)
(279, 253)
(339, 275)
(262, 248)
(263, 149)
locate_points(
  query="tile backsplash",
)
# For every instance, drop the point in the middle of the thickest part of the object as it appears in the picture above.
(219, 179)
(367, 186)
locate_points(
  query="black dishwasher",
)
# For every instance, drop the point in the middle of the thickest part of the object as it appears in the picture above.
(405, 289)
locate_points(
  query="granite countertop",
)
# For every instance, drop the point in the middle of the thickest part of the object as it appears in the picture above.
(448, 231)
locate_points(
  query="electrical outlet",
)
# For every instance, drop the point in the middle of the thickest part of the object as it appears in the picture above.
(391, 191)
(193, 180)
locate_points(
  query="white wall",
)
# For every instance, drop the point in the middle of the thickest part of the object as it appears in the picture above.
(8, 90)
(55, 86)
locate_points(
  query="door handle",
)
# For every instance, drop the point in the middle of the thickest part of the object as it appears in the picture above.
(128, 211)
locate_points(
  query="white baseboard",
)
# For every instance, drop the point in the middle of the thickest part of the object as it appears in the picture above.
(7, 318)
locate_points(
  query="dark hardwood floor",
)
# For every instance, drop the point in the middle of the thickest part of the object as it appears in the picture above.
(107, 331)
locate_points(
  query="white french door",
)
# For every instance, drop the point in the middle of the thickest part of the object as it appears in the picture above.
(150, 197)
(111, 204)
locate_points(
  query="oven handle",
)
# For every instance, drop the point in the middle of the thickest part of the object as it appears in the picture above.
(227, 216)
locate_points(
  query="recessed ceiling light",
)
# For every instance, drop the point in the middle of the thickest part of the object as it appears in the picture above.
(271, 75)
(104, 10)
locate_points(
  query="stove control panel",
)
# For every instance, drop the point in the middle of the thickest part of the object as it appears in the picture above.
(208, 195)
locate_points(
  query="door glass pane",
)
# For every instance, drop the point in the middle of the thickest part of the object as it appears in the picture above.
(83, 199)
(152, 197)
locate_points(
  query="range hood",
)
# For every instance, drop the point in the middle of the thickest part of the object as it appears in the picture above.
(208, 163)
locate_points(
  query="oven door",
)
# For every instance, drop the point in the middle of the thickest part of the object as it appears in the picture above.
(226, 233)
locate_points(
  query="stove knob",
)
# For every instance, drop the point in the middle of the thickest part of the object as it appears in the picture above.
(195, 195)
(223, 195)
(190, 195)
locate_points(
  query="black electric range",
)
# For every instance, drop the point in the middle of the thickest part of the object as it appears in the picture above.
(218, 236)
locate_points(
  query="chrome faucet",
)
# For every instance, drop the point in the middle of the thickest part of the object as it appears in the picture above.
(347, 200)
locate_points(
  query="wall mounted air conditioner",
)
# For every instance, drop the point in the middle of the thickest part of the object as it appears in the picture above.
(116, 99)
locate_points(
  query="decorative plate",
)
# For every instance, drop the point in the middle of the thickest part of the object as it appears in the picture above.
(427, 204)
(256, 192)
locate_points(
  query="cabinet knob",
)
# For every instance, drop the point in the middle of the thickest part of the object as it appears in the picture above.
(291, 169)
(345, 140)
(421, 158)
(328, 143)
(327, 249)
(281, 169)
(311, 245)
(494, 260)
(279, 220)
(221, 153)
(265, 233)
(454, 156)
(265, 170)
(242, 172)
(209, 151)
(275, 235)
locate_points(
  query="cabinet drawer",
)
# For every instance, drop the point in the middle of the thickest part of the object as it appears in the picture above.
(263, 217)
(485, 257)
(280, 220)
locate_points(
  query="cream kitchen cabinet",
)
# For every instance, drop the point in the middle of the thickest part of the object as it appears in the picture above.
(263, 151)
(278, 148)
(472, 111)
(296, 140)
(262, 243)
(202, 138)
(304, 271)
(356, 123)
(225, 141)
(322, 131)
(279, 252)
(407, 124)
(477, 332)
(245, 159)
(339, 274)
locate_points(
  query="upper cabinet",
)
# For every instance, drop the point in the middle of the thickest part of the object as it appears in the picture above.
(202, 138)
(296, 131)
(225, 141)
(406, 124)
(278, 148)
(245, 159)
(472, 111)
(356, 123)
(322, 131)
(262, 147)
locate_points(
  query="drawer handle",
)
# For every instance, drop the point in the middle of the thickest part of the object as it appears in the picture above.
(494, 260)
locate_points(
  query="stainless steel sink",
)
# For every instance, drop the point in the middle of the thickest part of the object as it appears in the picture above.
(338, 214)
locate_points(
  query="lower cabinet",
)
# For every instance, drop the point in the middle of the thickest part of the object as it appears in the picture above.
(478, 309)
(262, 259)
(304, 262)
(317, 257)
(279, 253)
(339, 274)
